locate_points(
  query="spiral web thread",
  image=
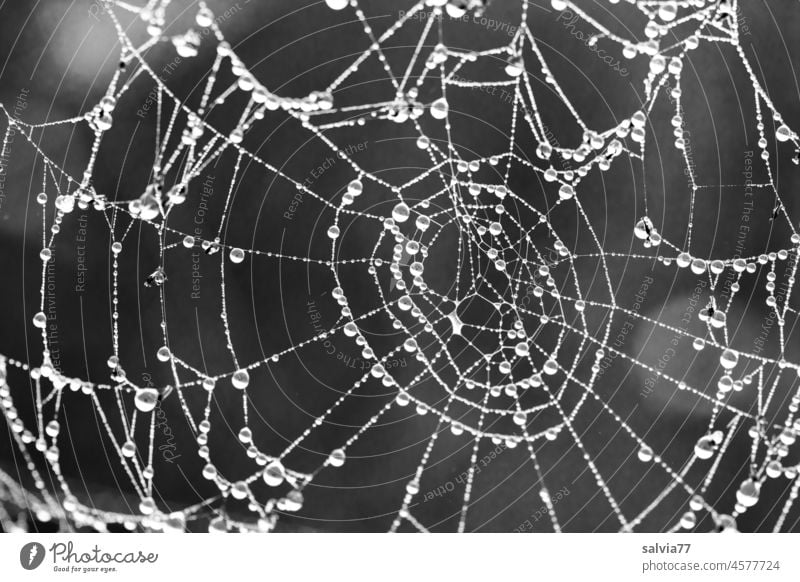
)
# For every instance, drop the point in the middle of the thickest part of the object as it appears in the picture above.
(412, 227)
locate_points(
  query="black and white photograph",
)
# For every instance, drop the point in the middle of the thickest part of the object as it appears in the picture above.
(363, 267)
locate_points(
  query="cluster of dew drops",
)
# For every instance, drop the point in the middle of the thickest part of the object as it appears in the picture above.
(150, 206)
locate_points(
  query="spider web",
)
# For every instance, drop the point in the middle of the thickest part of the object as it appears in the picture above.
(503, 306)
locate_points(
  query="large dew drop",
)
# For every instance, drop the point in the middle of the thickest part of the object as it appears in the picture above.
(274, 474)
(748, 493)
(240, 379)
(40, 320)
(236, 255)
(705, 447)
(400, 212)
(337, 458)
(643, 228)
(783, 133)
(148, 204)
(146, 399)
(336, 4)
(515, 66)
(729, 359)
(439, 108)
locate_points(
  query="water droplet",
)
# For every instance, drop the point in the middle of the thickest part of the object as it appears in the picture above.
(236, 255)
(147, 506)
(177, 194)
(236, 136)
(175, 523)
(705, 447)
(156, 279)
(439, 108)
(643, 228)
(336, 4)
(104, 121)
(217, 525)
(240, 379)
(788, 436)
(337, 458)
(688, 520)
(774, 469)
(204, 17)
(748, 493)
(566, 192)
(400, 212)
(698, 266)
(128, 449)
(515, 66)
(52, 429)
(146, 399)
(727, 523)
(293, 501)
(65, 203)
(274, 474)
(148, 208)
(245, 435)
(40, 320)
(239, 490)
(355, 187)
(645, 454)
(209, 472)
(729, 359)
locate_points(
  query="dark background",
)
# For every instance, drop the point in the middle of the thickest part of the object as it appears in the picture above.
(57, 59)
